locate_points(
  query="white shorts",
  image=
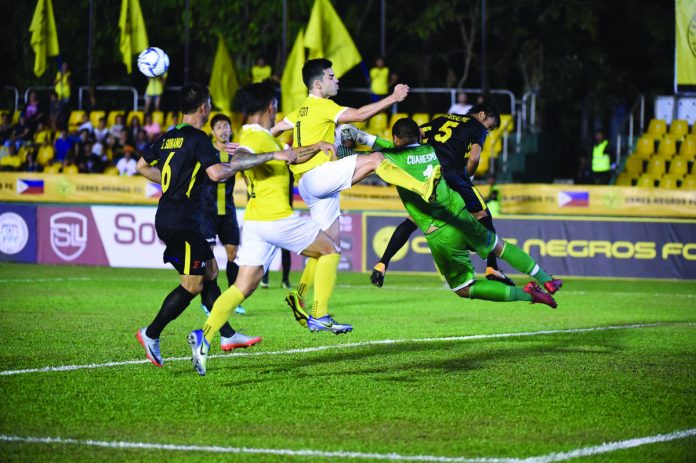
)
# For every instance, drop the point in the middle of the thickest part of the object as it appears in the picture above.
(320, 188)
(262, 239)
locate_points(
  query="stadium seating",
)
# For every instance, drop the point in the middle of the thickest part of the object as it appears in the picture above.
(421, 118)
(679, 129)
(378, 124)
(657, 128)
(139, 114)
(53, 168)
(111, 170)
(45, 155)
(624, 179)
(670, 181)
(679, 165)
(647, 181)
(689, 182)
(688, 147)
(656, 166)
(158, 117)
(170, 119)
(70, 169)
(645, 147)
(667, 147)
(111, 118)
(634, 166)
(94, 117)
(395, 117)
(75, 120)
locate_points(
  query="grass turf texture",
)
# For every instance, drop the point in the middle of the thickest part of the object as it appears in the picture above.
(511, 397)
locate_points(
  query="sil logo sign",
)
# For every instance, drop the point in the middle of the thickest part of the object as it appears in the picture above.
(68, 234)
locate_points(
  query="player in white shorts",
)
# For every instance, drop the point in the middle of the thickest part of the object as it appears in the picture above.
(269, 221)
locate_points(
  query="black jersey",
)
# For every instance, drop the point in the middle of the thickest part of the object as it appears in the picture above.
(452, 136)
(183, 155)
(218, 198)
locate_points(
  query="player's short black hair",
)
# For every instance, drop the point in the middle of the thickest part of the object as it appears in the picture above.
(406, 129)
(192, 96)
(314, 70)
(489, 110)
(219, 117)
(254, 98)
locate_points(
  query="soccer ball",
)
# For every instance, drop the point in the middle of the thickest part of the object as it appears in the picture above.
(153, 62)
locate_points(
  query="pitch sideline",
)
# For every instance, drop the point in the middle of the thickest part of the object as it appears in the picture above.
(549, 458)
(334, 347)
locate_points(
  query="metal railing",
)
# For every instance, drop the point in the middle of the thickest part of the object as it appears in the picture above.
(626, 133)
(36, 88)
(15, 91)
(109, 88)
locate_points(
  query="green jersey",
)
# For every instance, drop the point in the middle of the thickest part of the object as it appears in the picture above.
(419, 161)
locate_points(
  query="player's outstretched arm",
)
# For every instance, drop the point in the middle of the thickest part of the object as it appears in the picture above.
(365, 112)
(243, 160)
(305, 153)
(151, 173)
(280, 127)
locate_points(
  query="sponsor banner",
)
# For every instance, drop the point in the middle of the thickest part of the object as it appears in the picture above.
(351, 244)
(597, 200)
(17, 233)
(69, 235)
(564, 246)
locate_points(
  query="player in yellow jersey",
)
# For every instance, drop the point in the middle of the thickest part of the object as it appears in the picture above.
(269, 221)
(320, 181)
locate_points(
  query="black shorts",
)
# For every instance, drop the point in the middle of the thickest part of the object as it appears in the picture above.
(186, 250)
(224, 226)
(462, 185)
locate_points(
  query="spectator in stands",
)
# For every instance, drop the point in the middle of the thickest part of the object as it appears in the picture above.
(142, 141)
(12, 161)
(21, 131)
(119, 127)
(601, 159)
(42, 133)
(62, 146)
(86, 124)
(110, 147)
(260, 71)
(175, 121)
(5, 127)
(97, 160)
(30, 163)
(380, 80)
(127, 165)
(62, 83)
(101, 131)
(461, 106)
(46, 153)
(153, 92)
(152, 128)
(133, 130)
(33, 111)
(57, 113)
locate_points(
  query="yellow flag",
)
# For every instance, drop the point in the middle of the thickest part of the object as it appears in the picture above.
(223, 78)
(44, 38)
(133, 32)
(293, 89)
(327, 37)
(685, 28)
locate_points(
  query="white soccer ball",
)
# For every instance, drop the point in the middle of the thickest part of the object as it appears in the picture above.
(153, 62)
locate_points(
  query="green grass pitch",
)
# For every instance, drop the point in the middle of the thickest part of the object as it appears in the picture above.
(462, 380)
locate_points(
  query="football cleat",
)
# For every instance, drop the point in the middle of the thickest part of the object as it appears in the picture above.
(378, 272)
(152, 347)
(496, 275)
(240, 310)
(199, 350)
(327, 323)
(286, 285)
(534, 290)
(553, 285)
(238, 341)
(296, 303)
(430, 194)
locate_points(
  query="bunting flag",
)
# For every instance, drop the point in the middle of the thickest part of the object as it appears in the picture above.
(293, 89)
(327, 37)
(133, 32)
(223, 78)
(44, 38)
(685, 43)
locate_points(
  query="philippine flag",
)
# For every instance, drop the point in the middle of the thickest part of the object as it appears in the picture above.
(573, 199)
(30, 187)
(153, 190)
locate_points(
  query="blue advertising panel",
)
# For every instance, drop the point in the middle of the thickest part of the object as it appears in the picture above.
(17, 233)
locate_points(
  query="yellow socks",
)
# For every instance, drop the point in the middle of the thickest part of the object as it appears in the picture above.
(307, 278)
(391, 173)
(324, 282)
(222, 309)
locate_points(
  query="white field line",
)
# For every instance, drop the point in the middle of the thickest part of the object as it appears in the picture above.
(350, 286)
(552, 457)
(306, 350)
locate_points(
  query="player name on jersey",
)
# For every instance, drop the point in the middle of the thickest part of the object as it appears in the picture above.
(172, 143)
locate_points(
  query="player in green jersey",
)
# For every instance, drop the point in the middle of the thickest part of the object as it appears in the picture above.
(451, 231)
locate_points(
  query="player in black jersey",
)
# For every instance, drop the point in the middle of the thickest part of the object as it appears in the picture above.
(180, 160)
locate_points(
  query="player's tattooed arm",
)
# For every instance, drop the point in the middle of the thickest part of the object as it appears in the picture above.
(305, 153)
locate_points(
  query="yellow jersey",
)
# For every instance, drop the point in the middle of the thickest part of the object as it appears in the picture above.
(268, 184)
(379, 80)
(62, 85)
(260, 73)
(315, 120)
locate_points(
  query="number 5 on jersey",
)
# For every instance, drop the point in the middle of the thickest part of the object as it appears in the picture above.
(445, 131)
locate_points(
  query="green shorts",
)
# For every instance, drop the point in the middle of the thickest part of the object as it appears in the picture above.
(450, 246)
